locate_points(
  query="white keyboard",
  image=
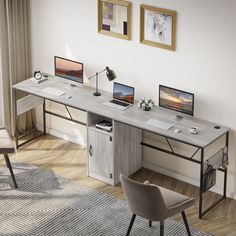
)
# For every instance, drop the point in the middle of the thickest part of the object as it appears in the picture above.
(159, 124)
(53, 91)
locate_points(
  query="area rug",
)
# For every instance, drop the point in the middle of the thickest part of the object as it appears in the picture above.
(46, 204)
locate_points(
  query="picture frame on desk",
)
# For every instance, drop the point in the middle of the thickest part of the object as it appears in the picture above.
(158, 27)
(114, 18)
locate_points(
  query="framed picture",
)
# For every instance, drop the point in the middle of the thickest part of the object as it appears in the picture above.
(114, 18)
(158, 27)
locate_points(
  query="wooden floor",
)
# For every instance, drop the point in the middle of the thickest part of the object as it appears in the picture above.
(69, 160)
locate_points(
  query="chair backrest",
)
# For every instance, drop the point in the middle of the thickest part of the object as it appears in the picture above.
(144, 200)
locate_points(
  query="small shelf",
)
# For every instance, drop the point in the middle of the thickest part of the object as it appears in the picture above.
(93, 127)
(93, 119)
(27, 103)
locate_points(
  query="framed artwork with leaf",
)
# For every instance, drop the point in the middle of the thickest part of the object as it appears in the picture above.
(114, 18)
(158, 27)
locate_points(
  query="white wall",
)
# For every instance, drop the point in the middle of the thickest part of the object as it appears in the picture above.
(204, 62)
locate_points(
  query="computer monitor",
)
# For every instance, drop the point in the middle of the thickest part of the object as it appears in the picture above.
(68, 69)
(176, 100)
(123, 93)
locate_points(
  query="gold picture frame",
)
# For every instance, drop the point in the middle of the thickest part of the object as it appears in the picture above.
(114, 18)
(158, 27)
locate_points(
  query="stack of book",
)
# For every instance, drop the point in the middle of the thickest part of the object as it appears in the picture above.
(104, 125)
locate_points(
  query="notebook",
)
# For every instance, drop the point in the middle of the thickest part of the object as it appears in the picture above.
(123, 97)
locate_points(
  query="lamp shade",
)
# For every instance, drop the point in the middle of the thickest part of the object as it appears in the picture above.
(110, 74)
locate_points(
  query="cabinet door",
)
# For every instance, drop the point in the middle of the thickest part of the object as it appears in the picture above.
(100, 153)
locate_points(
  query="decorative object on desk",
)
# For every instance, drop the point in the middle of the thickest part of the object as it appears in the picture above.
(194, 130)
(114, 18)
(146, 104)
(110, 75)
(158, 27)
(39, 77)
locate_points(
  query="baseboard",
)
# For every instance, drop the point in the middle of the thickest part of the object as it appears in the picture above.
(183, 178)
(62, 135)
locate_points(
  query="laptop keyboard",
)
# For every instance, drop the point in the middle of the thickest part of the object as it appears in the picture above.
(119, 103)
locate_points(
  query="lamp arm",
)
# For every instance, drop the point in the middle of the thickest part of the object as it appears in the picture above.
(97, 73)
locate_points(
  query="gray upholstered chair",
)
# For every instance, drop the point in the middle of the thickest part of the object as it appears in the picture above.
(154, 203)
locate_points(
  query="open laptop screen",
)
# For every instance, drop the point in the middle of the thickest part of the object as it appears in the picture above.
(123, 92)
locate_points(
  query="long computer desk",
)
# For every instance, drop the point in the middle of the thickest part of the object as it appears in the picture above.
(120, 151)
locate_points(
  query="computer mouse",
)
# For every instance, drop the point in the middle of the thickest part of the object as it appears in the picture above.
(177, 131)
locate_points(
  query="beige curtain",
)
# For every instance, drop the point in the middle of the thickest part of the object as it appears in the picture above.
(16, 58)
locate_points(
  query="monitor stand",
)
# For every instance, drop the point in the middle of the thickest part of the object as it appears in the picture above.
(75, 85)
(178, 117)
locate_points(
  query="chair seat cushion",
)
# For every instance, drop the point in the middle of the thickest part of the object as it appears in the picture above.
(172, 198)
(175, 202)
(6, 145)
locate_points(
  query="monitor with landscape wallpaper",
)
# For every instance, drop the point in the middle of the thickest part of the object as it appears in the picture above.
(176, 100)
(68, 69)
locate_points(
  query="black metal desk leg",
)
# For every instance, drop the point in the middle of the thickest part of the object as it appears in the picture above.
(44, 117)
(10, 169)
(201, 183)
(225, 182)
(15, 118)
(201, 211)
(226, 171)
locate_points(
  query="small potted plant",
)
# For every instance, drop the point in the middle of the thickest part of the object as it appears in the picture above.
(146, 104)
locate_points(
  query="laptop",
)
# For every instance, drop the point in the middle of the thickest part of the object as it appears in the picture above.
(123, 97)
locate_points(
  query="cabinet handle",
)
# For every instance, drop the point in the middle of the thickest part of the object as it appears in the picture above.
(90, 150)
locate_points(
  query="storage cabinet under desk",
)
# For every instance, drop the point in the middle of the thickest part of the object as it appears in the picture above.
(112, 153)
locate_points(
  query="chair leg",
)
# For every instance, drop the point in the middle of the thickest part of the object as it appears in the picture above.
(186, 223)
(150, 223)
(10, 169)
(162, 228)
(130, 224)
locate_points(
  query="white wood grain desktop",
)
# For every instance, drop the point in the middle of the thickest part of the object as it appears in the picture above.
(82, 98)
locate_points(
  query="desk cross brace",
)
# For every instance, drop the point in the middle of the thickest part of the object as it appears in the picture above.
(68, 112)
(170, 145)
(172, 152)
(64, 117)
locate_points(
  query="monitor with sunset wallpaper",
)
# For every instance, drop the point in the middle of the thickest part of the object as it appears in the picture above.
(68, 69)
(176, 100)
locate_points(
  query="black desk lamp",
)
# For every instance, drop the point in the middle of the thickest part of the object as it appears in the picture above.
(110, 75)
